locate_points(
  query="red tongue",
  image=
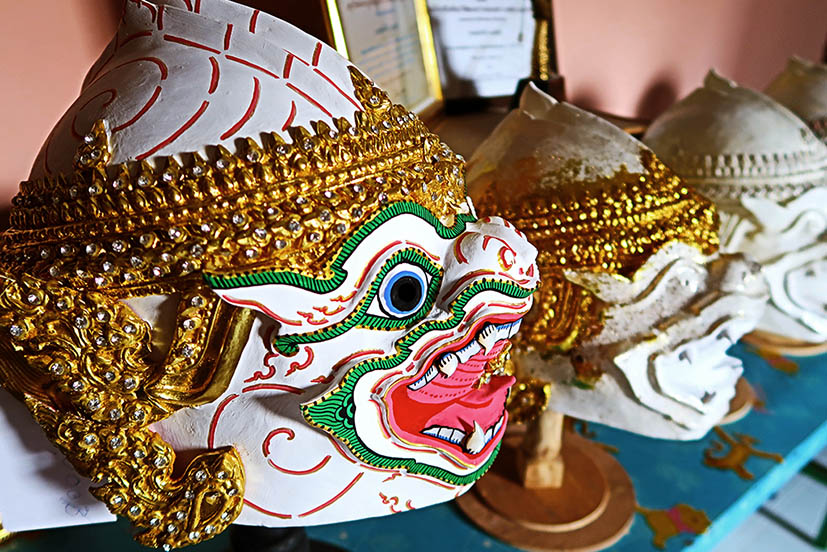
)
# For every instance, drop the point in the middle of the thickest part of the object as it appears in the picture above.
(485, 405)
(453, 402)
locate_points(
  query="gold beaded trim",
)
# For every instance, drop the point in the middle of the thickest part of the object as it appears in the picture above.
(276, 206)
(85, 376)
(609, 225)
(528, 399)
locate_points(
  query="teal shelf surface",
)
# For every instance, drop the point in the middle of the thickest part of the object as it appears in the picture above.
(791, 422)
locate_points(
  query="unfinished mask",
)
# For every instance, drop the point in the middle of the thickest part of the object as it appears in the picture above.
(314, 326)
(637, 309)
(802, 88)
(767, 173)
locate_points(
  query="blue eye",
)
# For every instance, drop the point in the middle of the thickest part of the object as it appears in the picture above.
(403, 291)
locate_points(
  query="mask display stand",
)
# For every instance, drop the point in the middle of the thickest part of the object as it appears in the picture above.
(781, 345)
(552, 490)
(742, 403)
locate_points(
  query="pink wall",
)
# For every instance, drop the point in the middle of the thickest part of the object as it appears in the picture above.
(630, 57)
(636, 57)
(49, 46)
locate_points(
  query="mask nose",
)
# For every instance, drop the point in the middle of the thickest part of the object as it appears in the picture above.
(494, 248)
(741, 274)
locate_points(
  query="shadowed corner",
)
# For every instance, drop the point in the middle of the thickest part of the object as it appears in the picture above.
(659, 95)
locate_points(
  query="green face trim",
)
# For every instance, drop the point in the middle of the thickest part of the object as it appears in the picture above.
(265, 276)
(335, 411)
(289, 345)
(360, 318)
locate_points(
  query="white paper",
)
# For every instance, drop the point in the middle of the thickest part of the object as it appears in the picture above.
(39, 488)
(483, 47)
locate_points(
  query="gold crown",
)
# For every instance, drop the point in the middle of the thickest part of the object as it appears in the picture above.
(604, 225)
(80, 358)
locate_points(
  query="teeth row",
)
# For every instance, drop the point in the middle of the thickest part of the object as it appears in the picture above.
(426, 379)
(447, 364)
(455, 436)
(487, 337)
(476, 440)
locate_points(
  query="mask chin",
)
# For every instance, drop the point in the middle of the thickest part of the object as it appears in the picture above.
(677, 382)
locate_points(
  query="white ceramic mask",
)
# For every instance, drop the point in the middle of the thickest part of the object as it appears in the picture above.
(316, 323)
(637, 311)
(767, 173)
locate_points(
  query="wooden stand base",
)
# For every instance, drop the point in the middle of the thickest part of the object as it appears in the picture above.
(781, 345)
(741, 404)
(592, 509)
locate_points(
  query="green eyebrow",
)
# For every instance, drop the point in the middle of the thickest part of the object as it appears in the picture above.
(265, 276)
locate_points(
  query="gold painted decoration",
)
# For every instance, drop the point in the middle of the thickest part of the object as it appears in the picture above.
(529, 397)
(5, 536)
(87, 381)
(604, 224)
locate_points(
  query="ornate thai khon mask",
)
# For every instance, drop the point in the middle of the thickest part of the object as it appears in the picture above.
(312, 323)
(802, 88)
(767, 173)
(636, 310)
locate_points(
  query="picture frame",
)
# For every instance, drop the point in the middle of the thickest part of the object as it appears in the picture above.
(390, 40)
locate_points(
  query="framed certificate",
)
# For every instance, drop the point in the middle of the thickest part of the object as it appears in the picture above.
(389, 40)
(484, 47)
(392, 42)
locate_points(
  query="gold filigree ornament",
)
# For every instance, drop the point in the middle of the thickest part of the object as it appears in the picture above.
(89, 369)
(528, 398)
(602, 224)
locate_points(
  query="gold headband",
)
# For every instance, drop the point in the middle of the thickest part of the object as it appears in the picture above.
(280, 206)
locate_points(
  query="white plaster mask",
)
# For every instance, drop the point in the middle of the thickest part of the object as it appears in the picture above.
(767, 172)
(802, 88)
(658, 363)
(371, 382)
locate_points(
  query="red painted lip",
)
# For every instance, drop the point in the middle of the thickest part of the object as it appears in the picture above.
(454, 402)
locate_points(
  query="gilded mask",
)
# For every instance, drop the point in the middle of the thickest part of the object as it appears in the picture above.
(767, 174)
(243, 285)
(637, 309)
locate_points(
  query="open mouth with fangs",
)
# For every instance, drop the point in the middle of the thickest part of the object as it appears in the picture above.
(456, 401)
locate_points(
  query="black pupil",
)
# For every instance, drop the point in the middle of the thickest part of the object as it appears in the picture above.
(406, 293)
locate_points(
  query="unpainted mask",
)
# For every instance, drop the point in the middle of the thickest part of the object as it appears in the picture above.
(767, 173)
